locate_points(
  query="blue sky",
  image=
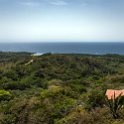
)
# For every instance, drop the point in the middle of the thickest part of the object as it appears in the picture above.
(61, 20)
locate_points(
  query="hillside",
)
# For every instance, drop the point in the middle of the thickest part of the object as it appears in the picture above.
(58, 88)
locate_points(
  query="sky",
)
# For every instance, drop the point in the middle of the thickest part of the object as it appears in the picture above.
(61, 20)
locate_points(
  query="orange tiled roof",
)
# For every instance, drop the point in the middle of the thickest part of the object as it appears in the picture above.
(110, 93)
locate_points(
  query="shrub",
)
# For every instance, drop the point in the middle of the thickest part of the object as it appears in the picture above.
(55, 82)
(11, 74)
(95, 99)
(52, 91)
(5, 95)
(8, 119)
(115, 105)
(77, 116)
(62, 107)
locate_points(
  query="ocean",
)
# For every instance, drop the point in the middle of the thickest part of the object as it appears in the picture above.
(68, 47)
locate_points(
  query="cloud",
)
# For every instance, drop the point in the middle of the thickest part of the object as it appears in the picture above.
(59, 3)
(29, 3)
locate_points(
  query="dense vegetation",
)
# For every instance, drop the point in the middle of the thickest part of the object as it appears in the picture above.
(58, 89)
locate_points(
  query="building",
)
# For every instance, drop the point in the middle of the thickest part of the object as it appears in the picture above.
(110, 93)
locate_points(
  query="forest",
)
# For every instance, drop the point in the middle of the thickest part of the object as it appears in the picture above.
(59, 88)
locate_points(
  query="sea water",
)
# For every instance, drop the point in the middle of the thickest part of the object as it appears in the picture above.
(65, 47)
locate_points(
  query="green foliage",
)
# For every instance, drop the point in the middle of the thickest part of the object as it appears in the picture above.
(8, 119)
(55, 82)
(115, 105)
(52, 91)
(58, 88)
(95, 98)
(5, 95)
(62, 107)
(11, 74)
(77, 116)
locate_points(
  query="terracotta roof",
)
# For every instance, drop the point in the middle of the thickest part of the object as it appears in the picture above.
(110, 93)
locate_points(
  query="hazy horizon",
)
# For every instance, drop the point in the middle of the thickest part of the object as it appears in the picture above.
(30, 41)
(61, 21)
